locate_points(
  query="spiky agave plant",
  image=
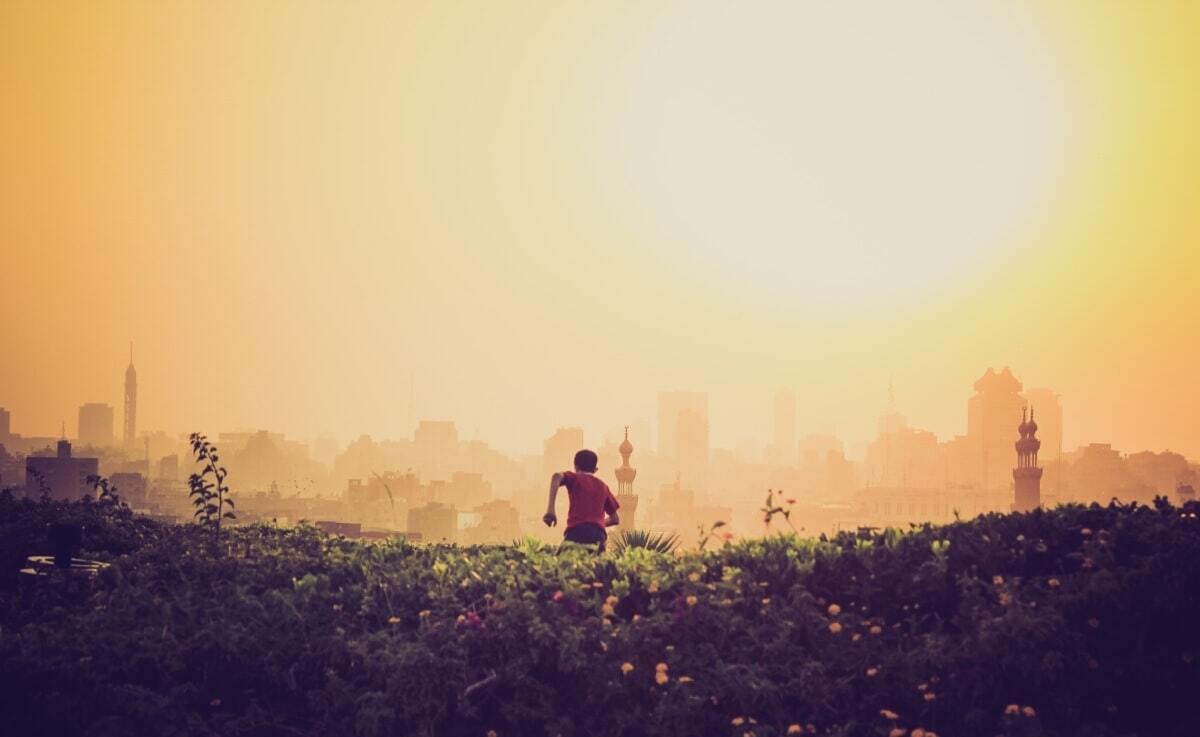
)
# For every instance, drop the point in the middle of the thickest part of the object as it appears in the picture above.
(659, 542)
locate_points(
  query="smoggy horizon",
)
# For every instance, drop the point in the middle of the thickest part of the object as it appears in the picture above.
(321, 221)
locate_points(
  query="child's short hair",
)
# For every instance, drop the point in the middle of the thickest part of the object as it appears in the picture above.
(585, 460)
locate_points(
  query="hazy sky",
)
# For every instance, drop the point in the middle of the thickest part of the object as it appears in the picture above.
(546, 212)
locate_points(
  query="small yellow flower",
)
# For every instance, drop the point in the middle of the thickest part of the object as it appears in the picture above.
(834, 610)
(1028, 711)
(661, 678)
(691, 601)
(875, 629)
(795, 729)
(923, 687)
(1012, 709)
(897, 732)
(424, 613)
(395, 620)
(661, 667)
(611, 601)
(737, 721)
(889, 714)
(653, 587)
(918, 732)
(856, 637)
(930, 696)
(693, 577)
(626, 668)
(835, 627)
(1086, 532)
(461, 619)
(1054, 583)
(766, 600)
(685, 679)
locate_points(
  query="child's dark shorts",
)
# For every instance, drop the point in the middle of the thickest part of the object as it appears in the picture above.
(587, 534)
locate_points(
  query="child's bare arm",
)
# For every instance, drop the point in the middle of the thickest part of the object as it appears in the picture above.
(550, 518)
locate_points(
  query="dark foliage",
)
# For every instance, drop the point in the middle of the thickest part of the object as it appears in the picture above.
(1077, 621)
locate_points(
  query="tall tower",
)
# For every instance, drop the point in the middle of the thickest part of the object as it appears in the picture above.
(625, 476)
(1027, 477)
(130, 401)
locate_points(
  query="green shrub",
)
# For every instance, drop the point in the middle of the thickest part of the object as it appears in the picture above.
(1081, 620)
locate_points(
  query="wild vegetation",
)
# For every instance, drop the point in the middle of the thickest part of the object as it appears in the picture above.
(1076, 621)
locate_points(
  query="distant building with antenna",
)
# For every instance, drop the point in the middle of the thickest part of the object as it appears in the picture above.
(60, 476)
(130, 401)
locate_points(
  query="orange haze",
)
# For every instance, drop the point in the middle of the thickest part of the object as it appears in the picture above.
(541, 214)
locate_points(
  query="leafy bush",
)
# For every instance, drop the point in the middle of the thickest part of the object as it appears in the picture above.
(1077, 621)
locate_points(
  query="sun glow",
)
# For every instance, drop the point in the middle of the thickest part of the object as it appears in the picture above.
(830, 154)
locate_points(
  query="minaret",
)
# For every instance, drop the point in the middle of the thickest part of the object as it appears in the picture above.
(130, 402)
(625, 476)
(1027, 477)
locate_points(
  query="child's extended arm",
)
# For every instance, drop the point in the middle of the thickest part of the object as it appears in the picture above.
(610, 507)
(550, 518)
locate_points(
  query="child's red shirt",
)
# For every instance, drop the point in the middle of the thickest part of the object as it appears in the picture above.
(590, 499)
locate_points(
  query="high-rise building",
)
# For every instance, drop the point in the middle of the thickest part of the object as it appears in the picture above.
(625, 476)
(558, 450)
(130, 402)
(672, 406)
(5, 424)
(95, 425)
(691, 442)
(1027, 476)
(992, 412)
(60, 476)
(785, 427)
